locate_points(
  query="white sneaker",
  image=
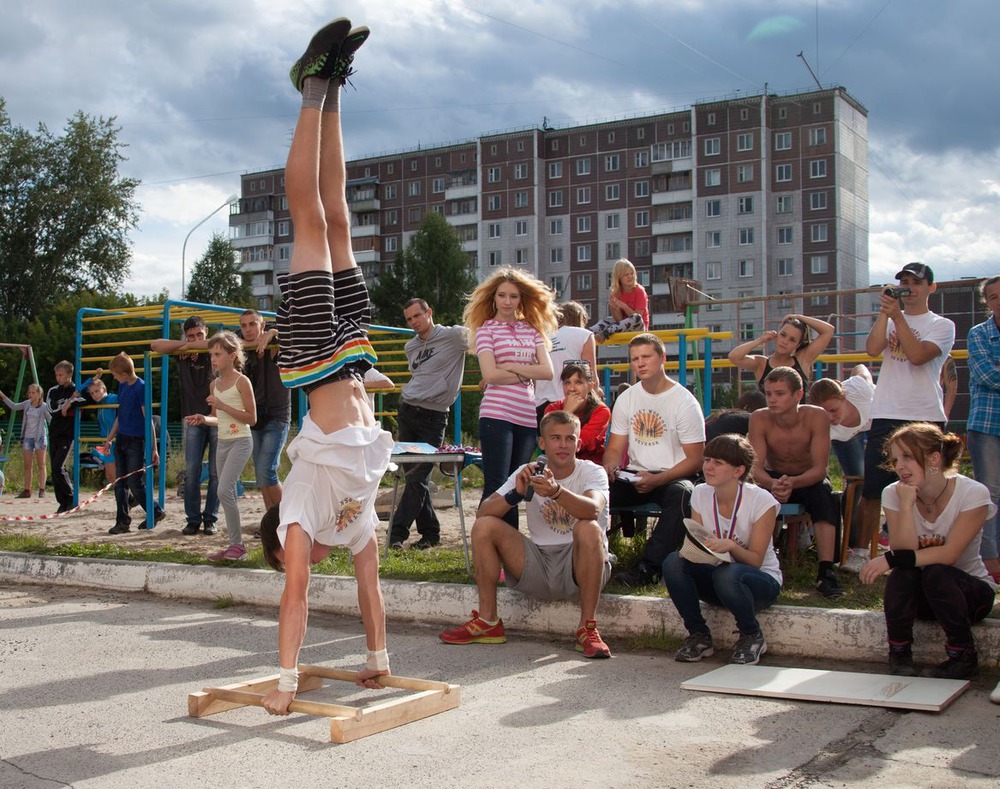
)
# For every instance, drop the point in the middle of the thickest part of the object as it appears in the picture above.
(995, 695)
(856, 559)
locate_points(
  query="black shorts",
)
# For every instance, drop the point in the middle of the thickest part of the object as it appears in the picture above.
(817, 500)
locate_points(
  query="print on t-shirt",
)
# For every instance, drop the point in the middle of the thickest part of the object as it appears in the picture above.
(895, 346)
(647, 427)
(348, 511)
(556, 518)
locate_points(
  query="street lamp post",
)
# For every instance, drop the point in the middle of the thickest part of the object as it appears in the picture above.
(229, 201)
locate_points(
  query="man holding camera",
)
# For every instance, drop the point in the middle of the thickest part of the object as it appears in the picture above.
(914, 343)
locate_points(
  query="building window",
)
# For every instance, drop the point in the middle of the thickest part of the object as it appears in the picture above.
(817, 108)
(746, 294)
(713, 239)
(785, 235)
(494, 230)
(640, 133)
(642, 247)
(493, 175)
(645, 277)
(744, 173)
(747, 331)
(783, 173)
(583, 255)
(414, 215)
(744, 141)
(283, 228)
(817, 168)
(713, 177)
(583, 281)
(713, 146)
(784, 204)
(556, 199)
(556, 256)
(745, 205)
(521, 227)
(520, 146)
(583, 195)
(391, 244)
(521, 257)
(555, 169)
(284, 253)
(712, 297)
(744, 113)
(819, 301)
(612, 162)
(496, 257)
(520, 199)
(493, 149)
(555, 227)
(782, 113)
(713, 208)
(642, 218)
(642, 158)
(613, 250)
(390, 168)
(437, 185)
(438, 209)
(786, 267)
(746, 236)
(390, 192)
(583, 166)
(817, 201)
(613, 221)
(783, 141)
(520, 171)
(612, 191)
(555, 145)
(556, 283)
(642, 188)
(818, 264)
(745, 268)
(710, 119)
(583, 224)
(413, 188)
(819, 234)
(494, 202)
(713, 270)
(817, 136)
(391, 217)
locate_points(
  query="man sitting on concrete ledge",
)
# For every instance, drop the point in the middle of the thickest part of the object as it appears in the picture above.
(566, 505)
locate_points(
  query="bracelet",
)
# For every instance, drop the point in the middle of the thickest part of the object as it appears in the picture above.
(378, 660)
(558, 493)
(288, 679)
(904, 559)
(513, 498)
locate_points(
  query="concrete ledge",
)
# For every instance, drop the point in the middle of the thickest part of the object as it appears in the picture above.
(834, 634)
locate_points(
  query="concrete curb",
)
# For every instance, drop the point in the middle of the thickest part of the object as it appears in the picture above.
(833, 634)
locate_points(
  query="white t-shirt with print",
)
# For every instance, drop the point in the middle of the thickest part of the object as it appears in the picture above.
(657, 425)
(549, 523)
(908, 391)
(859, 392)
(756, 502)
(968, 495)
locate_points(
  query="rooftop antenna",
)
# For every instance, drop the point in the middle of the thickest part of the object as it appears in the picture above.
(813, 73)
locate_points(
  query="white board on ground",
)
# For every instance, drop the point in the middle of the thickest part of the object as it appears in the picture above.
(838, 687)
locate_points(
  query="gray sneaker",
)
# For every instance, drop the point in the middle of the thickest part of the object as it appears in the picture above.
(696, 646)
(748, 649)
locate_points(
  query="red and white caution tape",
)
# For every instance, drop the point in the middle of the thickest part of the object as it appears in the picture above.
(77, 508)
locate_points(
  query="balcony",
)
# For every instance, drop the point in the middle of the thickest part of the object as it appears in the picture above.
(659, 166)
(460, 220)
(265, 240)
(673, 258)
(368, 256)
(673, 226)
(461, 191)
(672, 196)
(364, 231)
(365, 205)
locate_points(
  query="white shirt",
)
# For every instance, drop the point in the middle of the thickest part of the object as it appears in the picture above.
(859, 392)
(658, 425)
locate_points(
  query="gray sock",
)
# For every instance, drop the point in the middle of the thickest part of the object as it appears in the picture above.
(314, 92)
(332, 97)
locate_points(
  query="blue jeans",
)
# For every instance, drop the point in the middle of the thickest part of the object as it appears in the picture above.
(417, 424)
(742, 589)
(131, 457)
(851, 455)
(196, 439)
(506, 447)
(268, 441)
(984, 449)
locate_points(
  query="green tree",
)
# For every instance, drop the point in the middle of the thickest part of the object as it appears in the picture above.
(218, 278)
(433, 267)
(65, 213)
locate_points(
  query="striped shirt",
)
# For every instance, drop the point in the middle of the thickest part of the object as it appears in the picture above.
(984, 378)
(511, 342)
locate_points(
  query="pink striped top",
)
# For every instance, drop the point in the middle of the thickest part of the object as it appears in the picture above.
(510, 343)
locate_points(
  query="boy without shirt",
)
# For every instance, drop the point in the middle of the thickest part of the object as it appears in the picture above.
(792, 444)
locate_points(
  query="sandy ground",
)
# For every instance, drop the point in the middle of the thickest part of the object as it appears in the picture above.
(91, 522)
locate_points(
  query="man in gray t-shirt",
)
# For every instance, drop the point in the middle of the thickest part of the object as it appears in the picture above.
(436, 357)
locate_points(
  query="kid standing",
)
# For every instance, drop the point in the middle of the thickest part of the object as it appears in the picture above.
(61, 400)
(33, 436)
(130, 430)
(628, 303)
(234, 411)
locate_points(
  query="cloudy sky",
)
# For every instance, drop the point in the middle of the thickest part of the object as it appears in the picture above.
(201, 92)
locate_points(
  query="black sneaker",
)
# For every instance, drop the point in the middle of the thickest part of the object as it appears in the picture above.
(210, 529)
(338, 63)
(635, 577)
(901, 663)
(696, 646)
(828, 585)
(961, 664)
(119, 528)
(316, 59)
(424, 544)
(159, 516)
(748, 649)
(191, 529)
(396, 546)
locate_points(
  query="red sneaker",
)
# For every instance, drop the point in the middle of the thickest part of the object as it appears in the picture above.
(475, 631)
(589, 641)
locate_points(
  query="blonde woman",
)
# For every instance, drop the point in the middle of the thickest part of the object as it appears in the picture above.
(510, 317)
(628, 303)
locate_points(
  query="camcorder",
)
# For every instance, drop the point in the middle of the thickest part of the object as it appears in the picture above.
(540, 465)
(896, 292)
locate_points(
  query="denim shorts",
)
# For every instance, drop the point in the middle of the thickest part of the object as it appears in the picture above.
(31, 444)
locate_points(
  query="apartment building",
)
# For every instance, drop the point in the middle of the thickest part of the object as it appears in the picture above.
(748, 196)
